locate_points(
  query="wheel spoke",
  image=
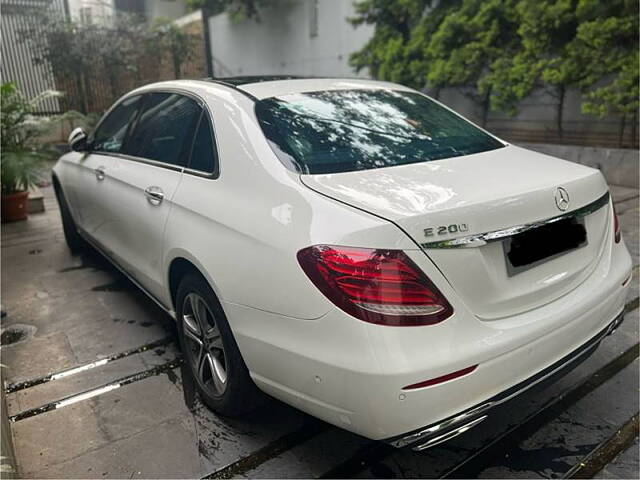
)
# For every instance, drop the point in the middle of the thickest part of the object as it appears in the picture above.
(212, 335)
(189, 316)
(218, 373)
(198, 351)
(203, 368)
(193, 337)
(200, 312)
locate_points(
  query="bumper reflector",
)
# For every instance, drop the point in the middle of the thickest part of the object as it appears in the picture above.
(443, 378)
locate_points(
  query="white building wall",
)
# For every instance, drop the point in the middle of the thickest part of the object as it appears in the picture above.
(171, 9)
(99, 11)
(287, 40)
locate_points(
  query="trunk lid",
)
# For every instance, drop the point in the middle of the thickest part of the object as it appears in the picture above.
(476, 194)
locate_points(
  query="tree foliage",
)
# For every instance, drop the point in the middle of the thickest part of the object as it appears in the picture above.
(174, 40)
(499, 51)
(608, 40)
(77, 51)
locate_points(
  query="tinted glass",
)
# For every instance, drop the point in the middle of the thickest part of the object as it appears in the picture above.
(346, 130)
(110, 133)
(165, 128)
(203, 156)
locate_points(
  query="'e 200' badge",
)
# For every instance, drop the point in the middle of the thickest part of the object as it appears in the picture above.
(445, 229)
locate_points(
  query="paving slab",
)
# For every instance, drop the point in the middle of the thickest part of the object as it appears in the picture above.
(54, 437)
(37, 356)
(166, 450)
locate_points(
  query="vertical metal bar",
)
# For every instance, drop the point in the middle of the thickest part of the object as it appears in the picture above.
(206, 13)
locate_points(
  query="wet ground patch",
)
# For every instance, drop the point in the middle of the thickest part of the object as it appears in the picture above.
(16, 333)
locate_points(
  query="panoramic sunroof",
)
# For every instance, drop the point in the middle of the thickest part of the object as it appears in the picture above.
(244, 80)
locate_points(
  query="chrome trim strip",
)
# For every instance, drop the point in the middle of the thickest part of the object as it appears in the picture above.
(480, 239)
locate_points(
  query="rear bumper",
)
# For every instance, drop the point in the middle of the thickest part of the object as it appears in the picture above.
(448, 428)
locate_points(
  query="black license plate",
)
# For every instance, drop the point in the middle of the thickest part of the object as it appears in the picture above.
(541, 243)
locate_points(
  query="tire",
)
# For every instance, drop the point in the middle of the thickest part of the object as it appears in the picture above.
(74, 240)
(211, 352)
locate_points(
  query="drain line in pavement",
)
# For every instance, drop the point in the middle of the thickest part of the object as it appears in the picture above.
(606, 451)
(15, 387)
(94, 392)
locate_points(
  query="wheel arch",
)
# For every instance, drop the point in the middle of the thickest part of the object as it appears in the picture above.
(55, 182)
(180, 264)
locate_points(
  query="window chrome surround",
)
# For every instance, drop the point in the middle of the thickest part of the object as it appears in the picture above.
(178, 168)
(480, 239)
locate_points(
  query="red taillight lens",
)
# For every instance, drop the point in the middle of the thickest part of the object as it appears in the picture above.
(617, 236)
(377, 286)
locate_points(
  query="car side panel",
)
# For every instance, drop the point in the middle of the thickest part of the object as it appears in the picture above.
(247, 226)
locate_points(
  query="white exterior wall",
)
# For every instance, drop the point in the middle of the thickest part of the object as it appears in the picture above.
(100, 10)
(282, 42)
(165, 8)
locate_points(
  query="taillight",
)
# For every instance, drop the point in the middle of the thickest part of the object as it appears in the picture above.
(377, 286)
(617, 236)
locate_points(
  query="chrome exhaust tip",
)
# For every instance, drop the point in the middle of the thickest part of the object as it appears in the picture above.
(449, 435)
(613, 326)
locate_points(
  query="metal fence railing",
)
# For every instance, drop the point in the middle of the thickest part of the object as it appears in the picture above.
(18, 62)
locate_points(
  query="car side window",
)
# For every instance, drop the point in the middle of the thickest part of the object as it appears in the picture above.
(110, 134)
(204, 157)
(164, 129)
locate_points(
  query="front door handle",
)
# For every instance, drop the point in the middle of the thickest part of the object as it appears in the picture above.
(154, 195)
(99, 173)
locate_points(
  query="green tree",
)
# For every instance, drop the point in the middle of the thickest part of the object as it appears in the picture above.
(394, 52)
(466, 44)
(176, 41)
(608, 37)
(548, 57)
(79, 51)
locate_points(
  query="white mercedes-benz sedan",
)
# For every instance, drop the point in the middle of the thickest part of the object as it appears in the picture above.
(350, 247)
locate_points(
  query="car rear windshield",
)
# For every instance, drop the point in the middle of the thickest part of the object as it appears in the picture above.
(345, 130)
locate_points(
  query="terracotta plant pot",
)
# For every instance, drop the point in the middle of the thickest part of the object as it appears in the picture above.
(14, 207)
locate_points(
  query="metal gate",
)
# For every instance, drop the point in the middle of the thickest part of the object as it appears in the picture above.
(18, 62)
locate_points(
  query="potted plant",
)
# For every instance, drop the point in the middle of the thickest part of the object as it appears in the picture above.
(19, 173)
(21, 155)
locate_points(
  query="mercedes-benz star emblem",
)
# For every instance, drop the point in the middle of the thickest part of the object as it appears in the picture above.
(562, 199)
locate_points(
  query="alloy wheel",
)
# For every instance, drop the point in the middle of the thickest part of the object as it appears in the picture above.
(205, 351)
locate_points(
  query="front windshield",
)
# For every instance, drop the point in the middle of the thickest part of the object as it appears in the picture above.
(345, 130)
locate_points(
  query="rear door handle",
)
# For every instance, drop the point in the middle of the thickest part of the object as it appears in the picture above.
(99, 173)
(154, 195)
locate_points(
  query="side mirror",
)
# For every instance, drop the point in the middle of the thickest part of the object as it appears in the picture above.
(78, 140)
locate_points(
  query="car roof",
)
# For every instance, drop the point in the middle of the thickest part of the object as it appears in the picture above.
(265, 86)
